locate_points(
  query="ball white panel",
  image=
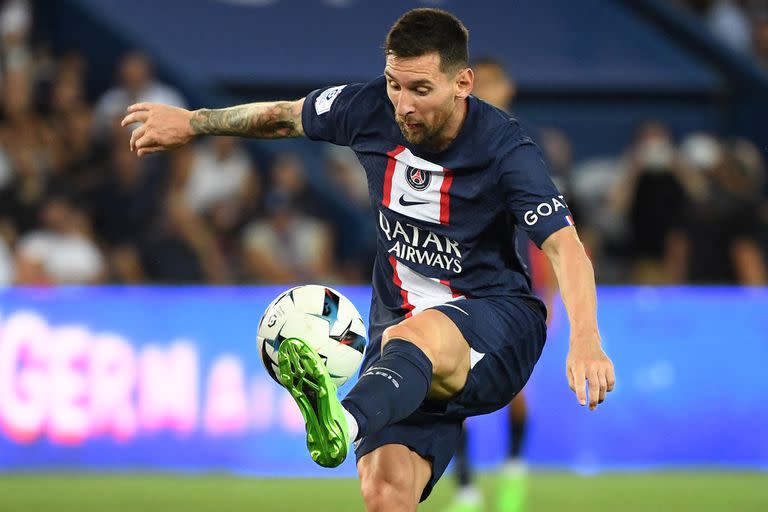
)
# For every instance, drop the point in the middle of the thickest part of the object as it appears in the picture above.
(309, 299)
(342, 362)
(309, 313)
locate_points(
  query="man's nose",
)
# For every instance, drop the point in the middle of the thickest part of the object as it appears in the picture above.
(404, 104)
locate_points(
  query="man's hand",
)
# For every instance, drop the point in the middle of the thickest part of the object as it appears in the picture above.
(587, 363)
(586, 360)
(163, 127)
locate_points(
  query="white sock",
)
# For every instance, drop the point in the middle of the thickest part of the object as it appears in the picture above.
(469, 495)
(515, 467)
(352, 427)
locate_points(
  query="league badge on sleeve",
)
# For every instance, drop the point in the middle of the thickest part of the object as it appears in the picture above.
(326, 98)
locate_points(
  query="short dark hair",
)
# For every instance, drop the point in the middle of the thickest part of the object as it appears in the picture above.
(487, 60)
(426, 30)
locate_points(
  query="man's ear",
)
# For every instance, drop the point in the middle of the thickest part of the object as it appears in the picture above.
(465, 80)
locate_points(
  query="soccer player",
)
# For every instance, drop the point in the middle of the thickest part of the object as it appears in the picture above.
(493, 84)
(454, 328)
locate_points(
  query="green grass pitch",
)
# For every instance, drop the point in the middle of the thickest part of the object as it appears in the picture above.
(625, 492)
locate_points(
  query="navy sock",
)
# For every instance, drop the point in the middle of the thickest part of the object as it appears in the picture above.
(461, 459)
(391, 389)
(516, 437)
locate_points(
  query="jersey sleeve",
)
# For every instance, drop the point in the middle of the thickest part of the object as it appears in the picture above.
(329, 114)
(530, 195)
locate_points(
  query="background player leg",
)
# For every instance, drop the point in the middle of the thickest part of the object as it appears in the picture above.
(392, 477)
(468, 497)
(512, 491)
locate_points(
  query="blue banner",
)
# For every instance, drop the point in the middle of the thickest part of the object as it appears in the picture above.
(169, 378)
(690, 388)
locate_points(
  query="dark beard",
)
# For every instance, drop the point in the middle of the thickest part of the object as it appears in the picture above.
(427, 139)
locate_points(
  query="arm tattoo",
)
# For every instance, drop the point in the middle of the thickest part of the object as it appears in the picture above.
(258, 120)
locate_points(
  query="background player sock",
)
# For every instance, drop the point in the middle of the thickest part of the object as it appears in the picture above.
(516, 436)
(461, 458)
(391, 389)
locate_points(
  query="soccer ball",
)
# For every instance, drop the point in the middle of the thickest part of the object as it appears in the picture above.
(321, 317)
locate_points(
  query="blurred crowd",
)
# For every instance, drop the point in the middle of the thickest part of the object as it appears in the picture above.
(671, 212)
(740, 24)
(77, 206)
(664, 211)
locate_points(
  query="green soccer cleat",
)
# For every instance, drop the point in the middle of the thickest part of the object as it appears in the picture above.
(305, 376)
(512, 488)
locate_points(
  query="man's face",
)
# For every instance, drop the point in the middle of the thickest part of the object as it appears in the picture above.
(135, 72)
(424, 97)
(493, 86)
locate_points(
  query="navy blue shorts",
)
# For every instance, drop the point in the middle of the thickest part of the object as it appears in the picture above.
(506, 336)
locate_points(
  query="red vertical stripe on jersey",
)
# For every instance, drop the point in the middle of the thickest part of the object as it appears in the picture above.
(454, 293)
(445, 198)
(406, 305)
(386, 197)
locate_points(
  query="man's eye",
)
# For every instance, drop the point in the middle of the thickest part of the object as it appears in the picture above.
(422, 92)
(393, 85)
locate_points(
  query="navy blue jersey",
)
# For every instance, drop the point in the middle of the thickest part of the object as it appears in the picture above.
(445, 220)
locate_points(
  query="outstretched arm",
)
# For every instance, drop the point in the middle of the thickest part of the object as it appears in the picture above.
(165, 127)
(586, 360)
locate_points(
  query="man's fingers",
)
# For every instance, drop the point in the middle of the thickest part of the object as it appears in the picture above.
(136, 135)
(145, 144)
(135, 117)
(610, 378)
(569, 375)
(149, 150)
(580, 383)
(139, 106)
(601, 376)
(144, 141)
(594, 389)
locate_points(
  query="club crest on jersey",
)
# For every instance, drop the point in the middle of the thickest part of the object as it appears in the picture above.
(418, 179)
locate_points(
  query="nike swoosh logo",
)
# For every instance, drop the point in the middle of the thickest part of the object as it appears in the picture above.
(403, 202)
